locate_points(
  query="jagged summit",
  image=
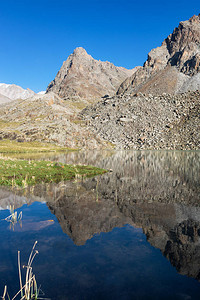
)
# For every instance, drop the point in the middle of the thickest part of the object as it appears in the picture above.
(81, 76)
(193, 20)
(173, 67)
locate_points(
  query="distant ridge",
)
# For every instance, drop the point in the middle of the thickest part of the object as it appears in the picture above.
(13, 91)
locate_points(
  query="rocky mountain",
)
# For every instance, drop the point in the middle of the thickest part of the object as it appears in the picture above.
(153, 108)
(173, 67)
(81, 76)
(14, 92)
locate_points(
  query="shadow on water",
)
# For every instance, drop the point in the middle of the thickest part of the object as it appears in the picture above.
(157, 191)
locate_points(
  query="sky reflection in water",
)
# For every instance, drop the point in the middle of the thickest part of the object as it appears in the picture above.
(117, 236)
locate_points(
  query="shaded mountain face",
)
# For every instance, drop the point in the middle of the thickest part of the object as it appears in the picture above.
(172, 68)
(81, 76)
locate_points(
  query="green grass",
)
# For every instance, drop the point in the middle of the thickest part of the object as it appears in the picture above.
(8, 146)
(23, 173)
(7, 124)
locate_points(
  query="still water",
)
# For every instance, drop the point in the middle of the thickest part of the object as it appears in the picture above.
(133, 233)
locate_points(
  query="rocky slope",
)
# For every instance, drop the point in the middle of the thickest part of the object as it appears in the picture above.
(83, 77)
(153, 122)
(47, 118)
(173, 67)
(139, 122)
(13, 91)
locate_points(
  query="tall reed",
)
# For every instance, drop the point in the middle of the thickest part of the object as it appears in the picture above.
(29, 289)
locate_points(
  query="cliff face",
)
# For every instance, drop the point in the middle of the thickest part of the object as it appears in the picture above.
(173, 67)
(83, 77)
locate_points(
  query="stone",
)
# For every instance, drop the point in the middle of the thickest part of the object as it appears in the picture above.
(148, 122)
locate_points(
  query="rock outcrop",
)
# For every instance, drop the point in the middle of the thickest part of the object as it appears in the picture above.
(13, 91)
(171, 68)
(83, 77)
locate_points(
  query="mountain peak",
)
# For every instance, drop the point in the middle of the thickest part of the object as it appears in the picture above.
(80, 51)
(83, 77)
(195, 19)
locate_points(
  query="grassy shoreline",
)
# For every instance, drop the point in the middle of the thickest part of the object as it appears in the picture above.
(13, 146)
(23, 172)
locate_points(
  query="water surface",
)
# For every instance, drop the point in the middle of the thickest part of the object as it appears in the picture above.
(133, 233)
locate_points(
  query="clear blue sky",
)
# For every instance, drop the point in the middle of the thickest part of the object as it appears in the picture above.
(36, 36)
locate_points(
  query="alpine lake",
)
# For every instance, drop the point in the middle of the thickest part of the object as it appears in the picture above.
(131, 233)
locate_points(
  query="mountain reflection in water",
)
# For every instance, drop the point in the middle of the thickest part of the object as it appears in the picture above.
(157, 191)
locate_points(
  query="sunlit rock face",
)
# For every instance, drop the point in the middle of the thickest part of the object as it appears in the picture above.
(81, 76)
(173, 67)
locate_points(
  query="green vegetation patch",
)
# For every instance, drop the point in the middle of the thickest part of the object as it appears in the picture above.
(8, 146)
(23, 173)
(8, 124)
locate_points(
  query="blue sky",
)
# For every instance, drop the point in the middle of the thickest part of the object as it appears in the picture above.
(37, 36)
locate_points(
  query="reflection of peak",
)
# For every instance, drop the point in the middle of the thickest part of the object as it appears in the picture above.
(8, 198)
(183, 249)
(83, 216)
(157, 191)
